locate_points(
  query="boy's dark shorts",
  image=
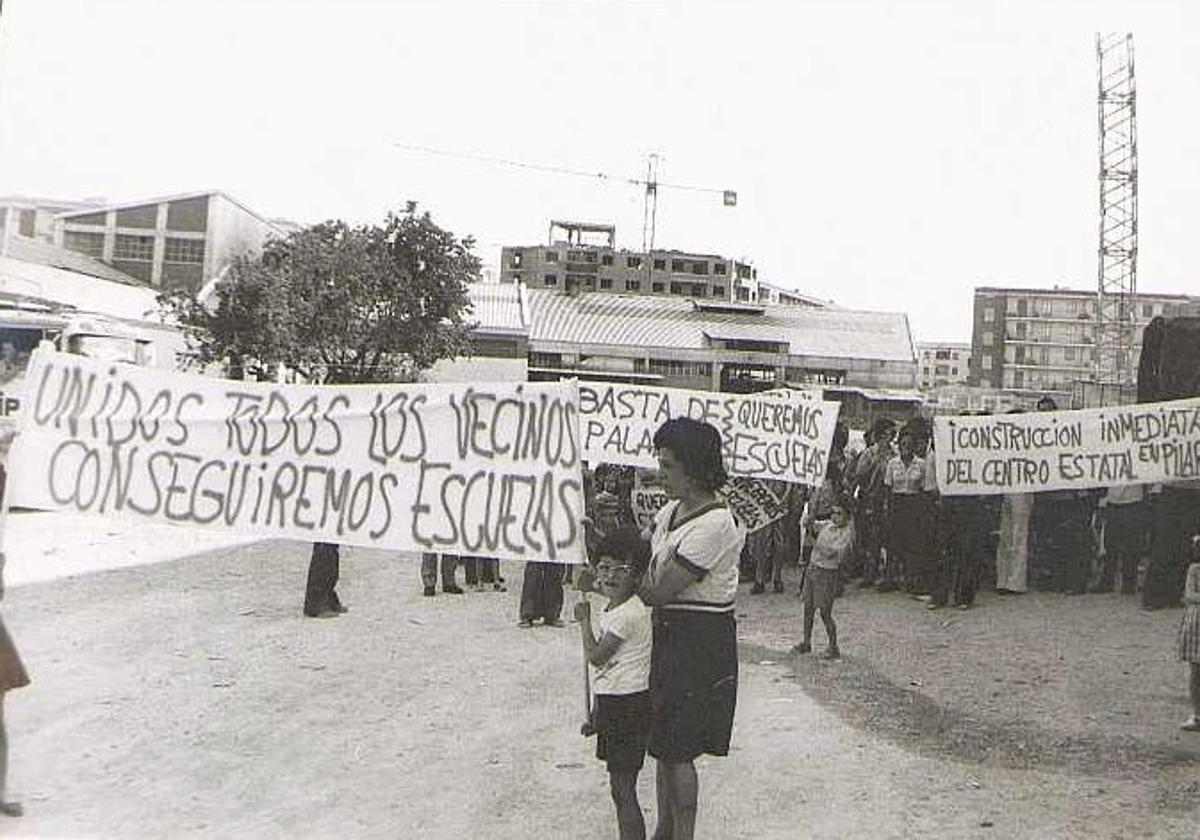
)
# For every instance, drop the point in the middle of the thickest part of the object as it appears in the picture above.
(622, 724)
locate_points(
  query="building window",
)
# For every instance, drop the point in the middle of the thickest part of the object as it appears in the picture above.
(550, 280)
(633, 262)
(633, 285)
(985, 361)
(1069, 354)
(515, 277)
(660, 265)
(1147, 310)
(988, 337)
(925, 371)
(183, 250)
(552, 256)
(605, 282)
(718, 291)
(514, 261)
(139, 248)
(678, 265)
(606, 259)
(699, 290)
(545, 360)
(989, 315)
(91, 244)
(954, 355)
(676, 289)
(674, 367)
(656, 287)
(719, 268)
(699, 267)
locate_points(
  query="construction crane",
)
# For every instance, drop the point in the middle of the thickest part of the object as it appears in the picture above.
(650, 183)
(1117, 275)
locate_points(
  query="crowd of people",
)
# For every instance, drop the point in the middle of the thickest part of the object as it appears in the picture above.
(942, 549)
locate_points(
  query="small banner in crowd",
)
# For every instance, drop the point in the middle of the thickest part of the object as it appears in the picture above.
(781, 435)
(1060, 450)
(753, 503)
(479, 469)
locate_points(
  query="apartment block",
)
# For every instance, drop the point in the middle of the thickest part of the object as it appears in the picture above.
(583, 257)
(1030, 342)
(942, 363)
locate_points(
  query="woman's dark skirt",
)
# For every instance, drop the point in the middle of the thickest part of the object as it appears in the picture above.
(693, 684)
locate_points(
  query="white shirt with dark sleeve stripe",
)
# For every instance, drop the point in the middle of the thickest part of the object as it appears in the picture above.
(707, 543)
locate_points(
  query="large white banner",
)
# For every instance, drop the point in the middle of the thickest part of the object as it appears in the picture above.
(785, 435)
(482, 469)
(1058, 450)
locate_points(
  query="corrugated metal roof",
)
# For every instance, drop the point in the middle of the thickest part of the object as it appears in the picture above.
(45, 253)
(648, 321)
(497, 307)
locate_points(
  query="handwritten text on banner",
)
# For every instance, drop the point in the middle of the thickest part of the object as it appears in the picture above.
(1058, 450)
(777, 435)
(491, 470)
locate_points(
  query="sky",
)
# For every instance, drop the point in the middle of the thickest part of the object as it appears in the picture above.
(886, 155)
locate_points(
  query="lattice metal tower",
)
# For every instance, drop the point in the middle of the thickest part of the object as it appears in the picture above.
(1117, 287)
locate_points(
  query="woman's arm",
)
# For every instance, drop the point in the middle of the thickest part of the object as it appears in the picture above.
(675, 577)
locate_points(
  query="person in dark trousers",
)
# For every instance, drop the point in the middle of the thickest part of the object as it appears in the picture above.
(542, 593)
(1176, 519)
(320, 592)
(429, 573)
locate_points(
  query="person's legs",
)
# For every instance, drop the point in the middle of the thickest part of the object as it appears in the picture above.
(622, 784)
(552, 592)
(665, 829)
(470, 570)
(806, 644)
(322, 576)
(429, 562)
(830, 630)
(1195, 689)
(13, 809)
(677, 788)
(531, 591)
(449, 564)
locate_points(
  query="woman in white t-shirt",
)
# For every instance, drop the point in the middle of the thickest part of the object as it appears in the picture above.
(693, 577)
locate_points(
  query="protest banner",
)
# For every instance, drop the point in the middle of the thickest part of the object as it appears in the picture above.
(483, 469)
(753, 503)
(781, 435)
(1062, 450)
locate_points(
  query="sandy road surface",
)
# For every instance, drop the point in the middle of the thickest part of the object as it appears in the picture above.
(190, 699)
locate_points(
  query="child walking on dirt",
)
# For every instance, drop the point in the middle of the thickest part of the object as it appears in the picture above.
(1189, 634)
(618, 649)
(835, 542)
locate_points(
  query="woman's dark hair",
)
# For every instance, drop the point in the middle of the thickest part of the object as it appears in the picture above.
(626, 545)
(697, 447)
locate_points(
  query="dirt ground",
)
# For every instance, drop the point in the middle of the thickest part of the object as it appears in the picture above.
(190, 699)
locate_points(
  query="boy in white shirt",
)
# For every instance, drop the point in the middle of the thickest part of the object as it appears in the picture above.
(616, 642)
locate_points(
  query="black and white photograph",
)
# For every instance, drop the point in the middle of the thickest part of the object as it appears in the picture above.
(599, 419)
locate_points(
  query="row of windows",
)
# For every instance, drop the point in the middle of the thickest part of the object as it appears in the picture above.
(940, 370)
(137, 248)
(672, 367)
(587, 281)
(699, 267)
(1057, 308)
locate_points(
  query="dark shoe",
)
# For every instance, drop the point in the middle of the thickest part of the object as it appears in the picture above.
(430, 591)
(499, 587)
(831, 653)
(778, 586)
(524, 623)
(340, 608)
(803, 647)
(757, 589)
(452, 589)
(323, 614)
(12, 809)
(553, 622)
